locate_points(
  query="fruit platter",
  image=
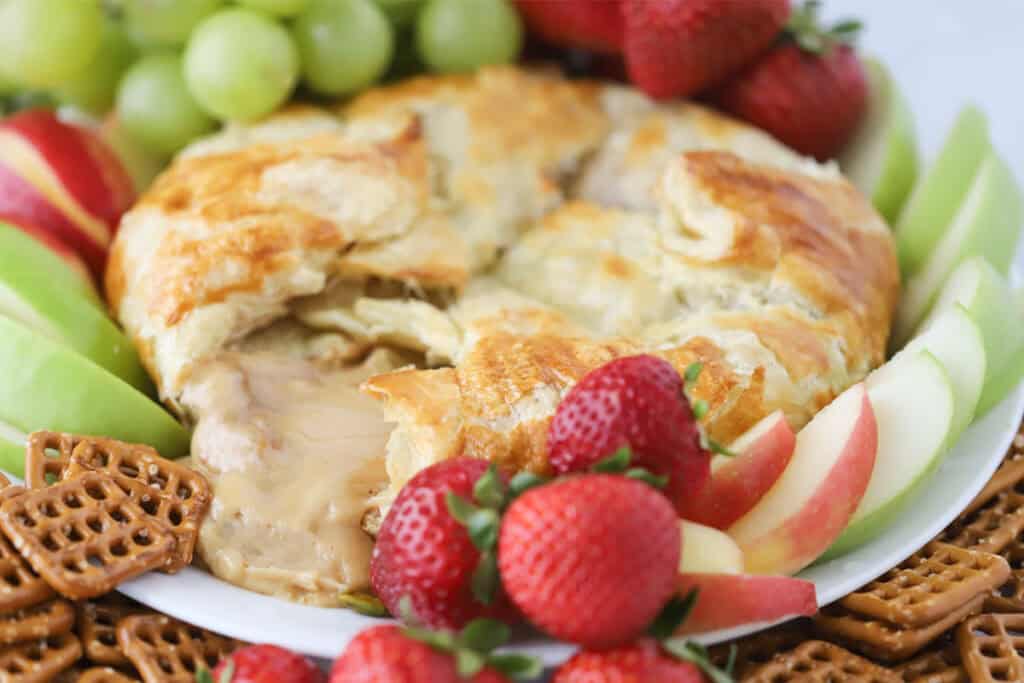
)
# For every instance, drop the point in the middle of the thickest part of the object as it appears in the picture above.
(425, 341)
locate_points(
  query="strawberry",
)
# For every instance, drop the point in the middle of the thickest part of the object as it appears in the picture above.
(266, 664)
(385, 654)
(637, 403)
(810, 91)
(592, 24)
(641, 661)
(590, 559)
(426, 555)
(677, 48)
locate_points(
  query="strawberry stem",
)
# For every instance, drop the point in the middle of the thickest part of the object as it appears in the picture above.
(805, 29)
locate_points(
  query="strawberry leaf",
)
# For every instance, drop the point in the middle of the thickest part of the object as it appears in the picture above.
(483, 525)
(696, 654)
(443, 641)
(484, 635)
(523, 482)
(469, 663)
(673, 615)
(203, 675)
(228, 674)
(485, 578)
(459, 508)
(692, 373)
(363, 603)
(648, 477)
(517, 666)
(700, 408)
(616, 463)
(489, 489)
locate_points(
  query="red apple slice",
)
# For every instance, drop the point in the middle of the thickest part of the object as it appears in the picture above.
(731, 600)
(813, 500)
(737, 483)
(708, 551)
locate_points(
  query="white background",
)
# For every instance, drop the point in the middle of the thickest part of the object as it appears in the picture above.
(945, 53)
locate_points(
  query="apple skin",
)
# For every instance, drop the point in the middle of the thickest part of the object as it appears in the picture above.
(989, 300)
(47, 386)
(708, 551)
(67, 318)
(85, 165)
(22, 204)
(12, 457)
(812, 502)
(940, 192)
(738, 482)
(987, 225)
(914, 407)
(43, 253)
(731, 600)
(882, 159)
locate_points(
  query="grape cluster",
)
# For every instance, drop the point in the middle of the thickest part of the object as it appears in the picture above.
(173, 69)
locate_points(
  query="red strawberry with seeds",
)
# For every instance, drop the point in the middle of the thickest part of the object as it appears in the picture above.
(266, 664)
(810, 92)
(637, 403)
(590, 559)
(592, 24)
(677, 48)
(641, 661)
(387, 654)
(424, 554)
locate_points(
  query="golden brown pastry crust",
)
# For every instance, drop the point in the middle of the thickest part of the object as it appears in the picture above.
(536, 228)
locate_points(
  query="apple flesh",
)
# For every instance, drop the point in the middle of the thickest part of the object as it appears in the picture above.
(882, 158)
(12, 451)
(48, 386)
(708, 551)
(989, 300)
(987, 225)
(738, 483)
(732, 600)
(812, 502)
(912, 397)
(66, 317)
(939, 193)
(42, 253)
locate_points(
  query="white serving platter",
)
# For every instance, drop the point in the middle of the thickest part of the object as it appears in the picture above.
(201, 599)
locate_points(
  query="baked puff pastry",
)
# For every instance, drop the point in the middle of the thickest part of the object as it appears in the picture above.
(508, 231)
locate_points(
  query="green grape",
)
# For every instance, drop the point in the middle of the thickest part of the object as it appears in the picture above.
(156, 108)
(95, 87)
(345, 45)
(46, 42)
(280, 8)
(400, 12)
(462, 35)
(166, 22)
(240, 64)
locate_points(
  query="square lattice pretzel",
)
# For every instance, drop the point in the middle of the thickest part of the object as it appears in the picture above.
(1009, 474)
(819, 662)
(39, 661)
(990, 647)
(47, 454)
(52, 618)
(84, 536)
(166, 650)
(97, 628)
(929, 585)
(169, 492)
(937, 665)
(989, 528)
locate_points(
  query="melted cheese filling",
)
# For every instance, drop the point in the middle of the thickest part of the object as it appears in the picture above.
(294, 453)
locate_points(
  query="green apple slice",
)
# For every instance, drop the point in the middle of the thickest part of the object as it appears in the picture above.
(48, 386)
(12, 450)
(941, 190)
(987, 224)
(912, 397)
(882, 159)
(956, 340)
(988, 299)
(18, 246)
(62, 315)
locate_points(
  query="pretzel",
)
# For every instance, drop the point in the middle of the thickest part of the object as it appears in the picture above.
(756, 649)
(20, 586)
(84, 536)
(936, 665)
(990, 647)
(38, 661)
(47, 455)
(819, 662)
(928, 585)
(166, 650)
(51, 618)
(165, 490)
(989, 528)
(1009, 474)
(105, 674)
(882, 640)
(97, 628)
